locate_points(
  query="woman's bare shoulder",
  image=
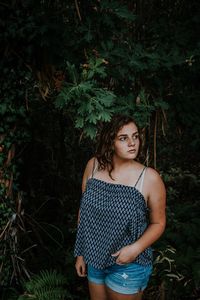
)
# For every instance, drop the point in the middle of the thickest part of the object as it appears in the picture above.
(152, 172)
(153, 176)
(155, 188)
(90, 166)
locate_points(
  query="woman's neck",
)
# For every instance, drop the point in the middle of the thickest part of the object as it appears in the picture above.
(119, 163)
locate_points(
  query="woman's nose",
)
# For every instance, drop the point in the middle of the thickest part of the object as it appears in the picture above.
(131, 142)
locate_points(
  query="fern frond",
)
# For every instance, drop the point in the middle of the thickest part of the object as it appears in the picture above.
(47, 285)
(52, 294)
(46, 279)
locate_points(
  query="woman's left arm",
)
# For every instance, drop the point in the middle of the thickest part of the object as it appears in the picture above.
(156, 204)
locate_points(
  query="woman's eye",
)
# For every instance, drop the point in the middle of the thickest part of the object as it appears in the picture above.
(122, 138)
(135, 137)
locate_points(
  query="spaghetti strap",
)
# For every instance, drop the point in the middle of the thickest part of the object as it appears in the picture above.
(142, 181)
(139, 176)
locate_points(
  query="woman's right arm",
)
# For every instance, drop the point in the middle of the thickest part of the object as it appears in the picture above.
(80, 264)
(86, 175)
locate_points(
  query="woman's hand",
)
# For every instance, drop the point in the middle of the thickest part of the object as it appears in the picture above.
(80, 266)
(126, 254)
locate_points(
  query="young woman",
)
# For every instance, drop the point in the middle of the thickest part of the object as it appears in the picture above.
(122, 213)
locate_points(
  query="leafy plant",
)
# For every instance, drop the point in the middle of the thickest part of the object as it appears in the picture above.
(89, 102)
(47, 285)
(66, 68)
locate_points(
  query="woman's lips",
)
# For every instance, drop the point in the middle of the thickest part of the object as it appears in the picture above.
(132, 151)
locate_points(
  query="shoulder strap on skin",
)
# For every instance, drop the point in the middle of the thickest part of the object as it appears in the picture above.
(142, 181)
(140, 177)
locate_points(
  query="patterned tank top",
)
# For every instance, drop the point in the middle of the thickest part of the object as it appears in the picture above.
(111, 216)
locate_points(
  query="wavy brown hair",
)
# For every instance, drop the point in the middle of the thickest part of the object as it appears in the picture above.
(105, 141)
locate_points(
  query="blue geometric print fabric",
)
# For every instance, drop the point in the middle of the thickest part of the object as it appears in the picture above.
(111, 216)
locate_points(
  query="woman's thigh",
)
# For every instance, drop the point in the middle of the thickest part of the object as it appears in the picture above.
(96, 282)
(97, 291)
(117, 296)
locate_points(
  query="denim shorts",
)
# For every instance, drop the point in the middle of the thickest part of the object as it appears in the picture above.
(124, 279)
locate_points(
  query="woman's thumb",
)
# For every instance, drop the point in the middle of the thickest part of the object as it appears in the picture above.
(116, 253)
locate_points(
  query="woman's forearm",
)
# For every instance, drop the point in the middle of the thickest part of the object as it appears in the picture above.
(151, 234)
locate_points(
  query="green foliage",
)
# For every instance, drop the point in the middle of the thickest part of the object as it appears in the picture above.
(83, 97)
(9, 294)
(179, 265)
(16, 91)
(137, 58)
(165, 274)
(47, 285)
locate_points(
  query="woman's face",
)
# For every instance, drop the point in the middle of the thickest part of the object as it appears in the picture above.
(127, 142)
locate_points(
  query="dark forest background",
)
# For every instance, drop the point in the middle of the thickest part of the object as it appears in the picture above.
(66, 67)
